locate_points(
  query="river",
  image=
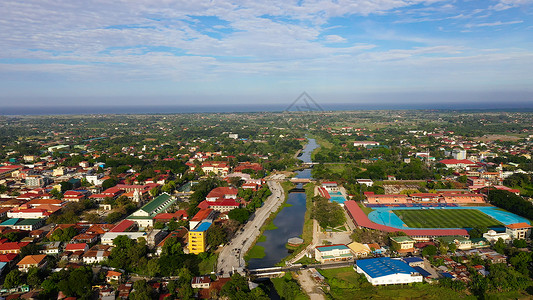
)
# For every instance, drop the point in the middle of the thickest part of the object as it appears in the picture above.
(289, 221)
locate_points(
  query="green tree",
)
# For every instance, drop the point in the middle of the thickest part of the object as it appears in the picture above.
(521, 262)
(108, 183)
(236, 288)
(78, 283)
(64, 235)
(13, 279)
(141, 290)
(152, 268)
(477, 232)
(500, 246)
(520, 243)
(34, 278)
(328, 214)
(65, 186)
(240, 215)
(30, 249)
(215, 235)
(429, 250)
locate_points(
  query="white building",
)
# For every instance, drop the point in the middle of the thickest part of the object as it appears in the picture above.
(385, 270)
(493, 236)
(95, 179)
(336, 252)
(458, 153)
(108, 237)
(518, 230)
(367, 182)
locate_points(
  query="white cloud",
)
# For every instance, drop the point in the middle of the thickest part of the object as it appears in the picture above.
(491, 24)
(507, 4)
(333, 38)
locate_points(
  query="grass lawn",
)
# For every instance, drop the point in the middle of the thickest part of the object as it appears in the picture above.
(207, 266)
(307, 261)
(445, 218)
(255, 252)
(345, 283)
(365, 209)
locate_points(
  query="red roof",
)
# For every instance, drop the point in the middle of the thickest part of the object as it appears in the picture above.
(222, 202)
(13, 245)
(202, 214)
(75, 247)
(361, 219)
(457, 161)
(518, 225)
(220, 192)
(122, 226)
(169, 216)
(8, 257)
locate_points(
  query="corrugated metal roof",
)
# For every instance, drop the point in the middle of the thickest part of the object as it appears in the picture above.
(384, 266)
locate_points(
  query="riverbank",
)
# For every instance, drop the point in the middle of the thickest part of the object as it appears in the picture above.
(257, 251)
(307, 233)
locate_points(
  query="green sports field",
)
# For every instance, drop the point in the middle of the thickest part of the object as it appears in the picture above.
(445, 218)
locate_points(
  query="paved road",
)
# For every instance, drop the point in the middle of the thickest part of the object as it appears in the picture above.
(231, 257)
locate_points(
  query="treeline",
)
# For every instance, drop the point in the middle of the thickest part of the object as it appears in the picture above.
(512, 203)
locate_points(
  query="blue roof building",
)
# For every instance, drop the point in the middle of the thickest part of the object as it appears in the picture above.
(385, 270)
(414, 261)
(202, 227)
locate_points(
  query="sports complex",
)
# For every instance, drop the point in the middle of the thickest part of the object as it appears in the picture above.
(424, 215)
(455, 217)
(425, 221)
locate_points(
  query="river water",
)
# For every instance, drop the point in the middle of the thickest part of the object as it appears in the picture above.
(289, 221)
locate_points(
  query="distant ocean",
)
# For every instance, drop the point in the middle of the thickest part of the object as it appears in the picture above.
(229, 108)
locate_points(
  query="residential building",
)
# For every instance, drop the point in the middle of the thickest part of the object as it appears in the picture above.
(6, 171)
(337, 252)
(76, 247)
(385, 271)
(32, 261)
(52, 248)
(113, 276)
(459, 154)
(12, 247)
(365, 143)
(96, 254)
(29, 224)
(108, 237)
(35, 181)
(201, 282)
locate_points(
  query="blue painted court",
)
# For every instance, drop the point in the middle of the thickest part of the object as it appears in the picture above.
(337, 197)
(386, 216)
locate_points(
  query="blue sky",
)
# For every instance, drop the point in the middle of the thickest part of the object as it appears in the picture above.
(215, 52)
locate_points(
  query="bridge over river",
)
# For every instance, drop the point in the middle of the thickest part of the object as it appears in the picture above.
(276, 271)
